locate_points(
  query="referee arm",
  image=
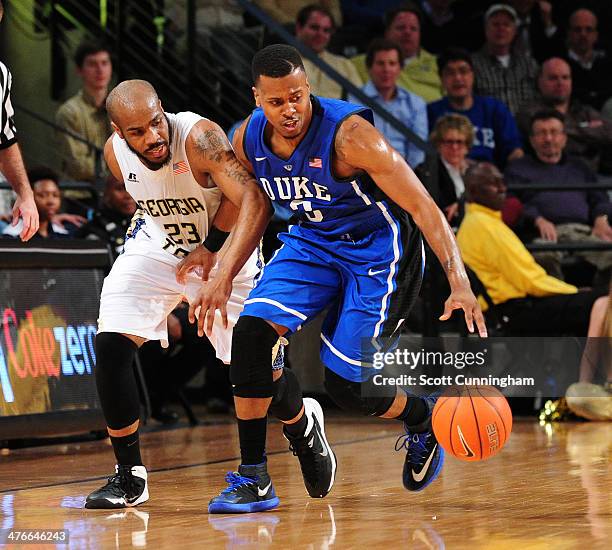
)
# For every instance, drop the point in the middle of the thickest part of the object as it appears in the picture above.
(11, 162)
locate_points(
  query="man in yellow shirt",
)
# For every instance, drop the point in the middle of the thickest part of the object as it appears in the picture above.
(534, 302)
(420, 72)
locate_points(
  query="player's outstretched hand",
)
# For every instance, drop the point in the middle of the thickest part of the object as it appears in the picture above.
(464, 299)
(200, 259)
(25, 208)
(211, 297)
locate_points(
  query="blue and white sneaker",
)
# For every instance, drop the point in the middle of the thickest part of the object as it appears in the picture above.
(424, 456)
(250, 490)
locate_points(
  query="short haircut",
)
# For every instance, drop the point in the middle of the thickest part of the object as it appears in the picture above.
(382, 45)
(452, 122)
(545, 114)
(39, 173)
(88, 48)
(449, 55)
(308, 10)
(276, 61)
(407, 7)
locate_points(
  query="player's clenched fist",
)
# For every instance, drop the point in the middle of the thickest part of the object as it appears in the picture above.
(201, 260)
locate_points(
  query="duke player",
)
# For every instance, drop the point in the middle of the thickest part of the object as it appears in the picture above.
(168, 163)
(356, 250)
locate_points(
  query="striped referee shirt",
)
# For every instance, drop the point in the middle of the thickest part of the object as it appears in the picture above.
(8, 133)
(513, 85)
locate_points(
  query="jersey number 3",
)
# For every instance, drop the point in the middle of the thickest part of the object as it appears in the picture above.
(312, 215)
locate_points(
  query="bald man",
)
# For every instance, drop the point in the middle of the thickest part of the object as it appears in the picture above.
(191, 191)
(533, 302)
(591, 67)
(589, 135)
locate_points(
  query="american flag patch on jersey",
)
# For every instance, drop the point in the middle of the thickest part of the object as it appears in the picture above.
(315, 162)
(180, 167)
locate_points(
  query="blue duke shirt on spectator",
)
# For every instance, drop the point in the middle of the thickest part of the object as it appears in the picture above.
(410, 109)
(497, 134)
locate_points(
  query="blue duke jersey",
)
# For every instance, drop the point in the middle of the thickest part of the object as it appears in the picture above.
(304, 184)
(352, 250)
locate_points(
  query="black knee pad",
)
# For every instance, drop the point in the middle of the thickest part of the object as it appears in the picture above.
(251, 365)
(115, 379)
(358, 397)
(287, 400)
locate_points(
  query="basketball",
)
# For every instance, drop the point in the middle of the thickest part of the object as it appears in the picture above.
(472, 422)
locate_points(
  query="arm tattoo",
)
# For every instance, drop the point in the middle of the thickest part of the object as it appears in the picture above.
(450, 265)
(211, 145)
(236, 171)
(216, 149)
(341, 139)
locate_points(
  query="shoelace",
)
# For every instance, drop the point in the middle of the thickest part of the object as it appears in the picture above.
(417, 449)
(235, 480)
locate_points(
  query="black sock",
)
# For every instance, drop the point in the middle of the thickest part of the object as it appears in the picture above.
(298, 428)
(127, 449)
(252, 435)
(415, 412)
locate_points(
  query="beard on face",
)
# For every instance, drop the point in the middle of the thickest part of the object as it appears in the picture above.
(156, 165)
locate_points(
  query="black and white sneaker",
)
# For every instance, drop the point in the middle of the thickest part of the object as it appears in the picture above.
(128, 487)
(317, 460)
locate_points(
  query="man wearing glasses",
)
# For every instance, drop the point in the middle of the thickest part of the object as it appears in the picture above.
(497, 138)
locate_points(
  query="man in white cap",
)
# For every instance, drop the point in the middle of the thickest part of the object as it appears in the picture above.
(500, 72)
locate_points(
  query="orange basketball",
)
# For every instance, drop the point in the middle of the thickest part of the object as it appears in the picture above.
(472, 422)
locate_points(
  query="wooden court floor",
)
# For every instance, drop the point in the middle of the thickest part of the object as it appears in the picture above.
(549, 488)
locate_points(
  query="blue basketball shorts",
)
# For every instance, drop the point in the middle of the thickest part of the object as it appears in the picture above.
(367, 280)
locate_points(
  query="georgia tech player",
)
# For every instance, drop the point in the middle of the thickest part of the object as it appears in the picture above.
(182, 172)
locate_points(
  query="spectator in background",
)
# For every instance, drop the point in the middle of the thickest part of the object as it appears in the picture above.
(453, 136)
(533, 302)
(111, 221)
(48, 200)
(497, 138)
(84, 114)
(384, 63)
(419, 74)
(591, 68)
(11, 163)
(587, 398)
(500, 72)
(588, 133)
(561, 216)
(286, 11)
(314, 27)
(537, 35)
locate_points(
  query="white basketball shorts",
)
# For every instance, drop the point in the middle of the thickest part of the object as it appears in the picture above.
(141, 291)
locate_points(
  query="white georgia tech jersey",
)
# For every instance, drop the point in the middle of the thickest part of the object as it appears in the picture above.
(175, 206)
